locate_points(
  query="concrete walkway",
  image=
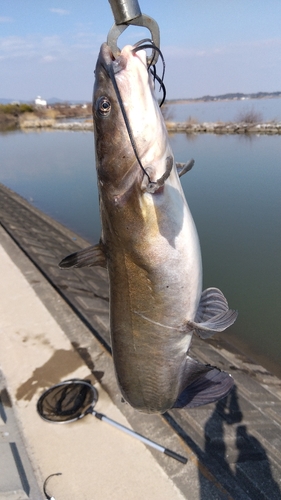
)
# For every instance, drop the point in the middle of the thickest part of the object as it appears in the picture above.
(96, 460)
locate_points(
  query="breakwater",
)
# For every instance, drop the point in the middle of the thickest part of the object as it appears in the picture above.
(271, 128)
(56, 125)
(225, 128)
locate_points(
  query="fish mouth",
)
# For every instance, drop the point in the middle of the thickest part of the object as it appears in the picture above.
(108, 60)
(114, 65)
(117, 64)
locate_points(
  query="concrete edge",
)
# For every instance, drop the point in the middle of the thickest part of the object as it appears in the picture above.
(99, 362)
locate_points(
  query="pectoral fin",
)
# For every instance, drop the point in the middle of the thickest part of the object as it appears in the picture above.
(153, 186)
(90, 256)
(182, 168)
(207, 385)
(213, 314)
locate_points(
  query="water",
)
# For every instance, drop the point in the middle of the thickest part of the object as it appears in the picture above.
(233, 192)
(234, 195)
(225, 111)
(56, 172)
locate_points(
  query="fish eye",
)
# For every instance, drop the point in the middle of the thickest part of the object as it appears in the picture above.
(103, 106)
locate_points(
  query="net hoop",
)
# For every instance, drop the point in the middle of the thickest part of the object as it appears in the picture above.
(67, 401)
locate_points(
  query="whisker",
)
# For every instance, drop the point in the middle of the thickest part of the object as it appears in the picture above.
(127, 123)
(146, 43)
(162, 86)
(109, 69)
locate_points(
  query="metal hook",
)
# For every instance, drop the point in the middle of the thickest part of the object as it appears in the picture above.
(127, 12)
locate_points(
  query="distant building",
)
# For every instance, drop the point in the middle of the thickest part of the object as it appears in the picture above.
(40, 102)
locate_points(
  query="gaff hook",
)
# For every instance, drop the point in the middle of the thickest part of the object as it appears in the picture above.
(127, 12)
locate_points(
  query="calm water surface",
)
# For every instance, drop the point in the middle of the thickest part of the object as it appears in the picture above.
(225, 111)
(56, 172)
(233, 192)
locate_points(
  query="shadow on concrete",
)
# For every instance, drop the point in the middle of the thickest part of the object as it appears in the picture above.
(57, 367)
(245, 468)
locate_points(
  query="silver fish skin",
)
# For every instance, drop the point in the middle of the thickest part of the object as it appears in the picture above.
(150, 246)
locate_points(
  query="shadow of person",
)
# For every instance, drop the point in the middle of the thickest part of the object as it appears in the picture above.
(228, 408)
(237, 460)
(227, 411)
(253, 466)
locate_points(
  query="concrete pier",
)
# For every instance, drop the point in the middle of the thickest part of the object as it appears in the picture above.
(54, 326)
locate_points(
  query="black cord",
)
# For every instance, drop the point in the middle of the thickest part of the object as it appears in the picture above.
(45, 483)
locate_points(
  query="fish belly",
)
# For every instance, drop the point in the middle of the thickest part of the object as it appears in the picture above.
(154, 290)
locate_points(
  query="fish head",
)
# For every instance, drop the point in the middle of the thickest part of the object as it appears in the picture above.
(129, 127)
(110, 134)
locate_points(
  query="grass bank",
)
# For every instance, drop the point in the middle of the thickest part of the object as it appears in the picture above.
(16, 116)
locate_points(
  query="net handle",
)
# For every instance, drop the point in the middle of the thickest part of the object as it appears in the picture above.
(104, 418)
(138, 436)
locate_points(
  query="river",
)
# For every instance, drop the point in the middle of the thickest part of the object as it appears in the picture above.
(234, 194)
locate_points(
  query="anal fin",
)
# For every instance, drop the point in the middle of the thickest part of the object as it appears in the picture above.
(209, 386)
(90, 256)
(213, 314)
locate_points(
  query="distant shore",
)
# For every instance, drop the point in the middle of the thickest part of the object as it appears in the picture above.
(79, 117)
(270, 128)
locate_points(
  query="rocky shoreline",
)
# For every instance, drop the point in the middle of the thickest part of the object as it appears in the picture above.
(271, 128)
(50, 123)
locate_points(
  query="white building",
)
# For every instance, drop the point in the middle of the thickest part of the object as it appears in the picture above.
(40, 102)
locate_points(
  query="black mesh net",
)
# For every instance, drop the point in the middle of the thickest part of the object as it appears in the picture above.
(67, 401)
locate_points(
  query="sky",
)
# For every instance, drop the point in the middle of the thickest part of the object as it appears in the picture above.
(49, 47)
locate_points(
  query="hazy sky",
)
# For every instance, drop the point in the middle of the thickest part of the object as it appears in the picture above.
(49, 47)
